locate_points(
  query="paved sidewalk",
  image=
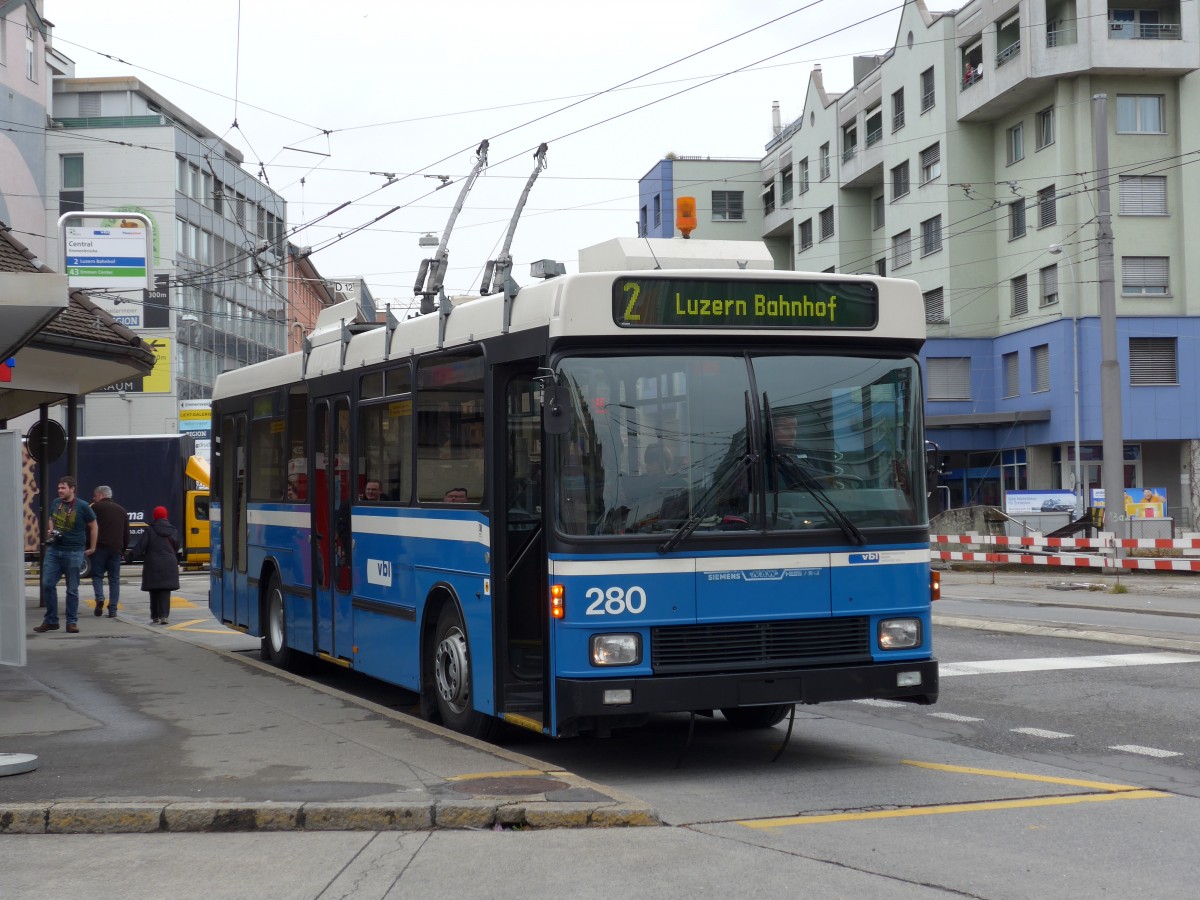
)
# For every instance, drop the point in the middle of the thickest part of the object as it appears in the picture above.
(136, 728)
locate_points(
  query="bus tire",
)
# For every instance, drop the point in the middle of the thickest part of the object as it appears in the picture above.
(452, 678)
(274, 625)
(749, 717)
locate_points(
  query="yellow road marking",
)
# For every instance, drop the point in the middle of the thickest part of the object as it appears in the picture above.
(997, 773)
(181, 603)
(180, 625)
(519, 773)
(955, 808)
(1111, 792)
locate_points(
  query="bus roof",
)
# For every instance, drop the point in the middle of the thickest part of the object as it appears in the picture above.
(579, 304)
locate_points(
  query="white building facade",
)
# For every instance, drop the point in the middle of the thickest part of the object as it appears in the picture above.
(966, 159)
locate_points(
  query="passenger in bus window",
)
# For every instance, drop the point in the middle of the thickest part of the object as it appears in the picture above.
(456, 495)
(372, 489)
(658, 460)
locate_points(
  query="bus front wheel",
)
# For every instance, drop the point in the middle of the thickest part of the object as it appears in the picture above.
(756, 716)
(452, 678)
(274, 625)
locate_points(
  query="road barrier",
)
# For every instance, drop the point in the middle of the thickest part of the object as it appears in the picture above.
(1109, 551)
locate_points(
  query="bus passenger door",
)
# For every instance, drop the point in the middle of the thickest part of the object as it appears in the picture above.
(332, 539)
(519, 549)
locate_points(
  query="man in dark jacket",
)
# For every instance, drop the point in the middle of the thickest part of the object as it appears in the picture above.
(158, 548)
(113, 524)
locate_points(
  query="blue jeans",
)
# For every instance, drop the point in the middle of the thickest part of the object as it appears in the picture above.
(107, 563)
(59, 562)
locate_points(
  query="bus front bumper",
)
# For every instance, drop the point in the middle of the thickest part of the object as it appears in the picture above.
(581, 698)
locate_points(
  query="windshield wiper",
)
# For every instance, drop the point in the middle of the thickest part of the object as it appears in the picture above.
(800, 468)
(739, 464)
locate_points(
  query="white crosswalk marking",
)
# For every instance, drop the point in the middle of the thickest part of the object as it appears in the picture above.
(893, 703)
(1048, 664)
(1041, 732)
(1145, 751)
(954, 717)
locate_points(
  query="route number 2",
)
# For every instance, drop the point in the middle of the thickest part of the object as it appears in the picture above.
(615, 600)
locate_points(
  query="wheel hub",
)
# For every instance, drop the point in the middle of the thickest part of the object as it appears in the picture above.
(452, 670)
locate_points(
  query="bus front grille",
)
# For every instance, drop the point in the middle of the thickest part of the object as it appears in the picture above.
(753, 646)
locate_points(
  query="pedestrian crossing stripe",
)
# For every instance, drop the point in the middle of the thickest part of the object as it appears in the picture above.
(1048, 664)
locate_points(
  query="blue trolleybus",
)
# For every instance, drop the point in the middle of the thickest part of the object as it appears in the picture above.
(606, 495)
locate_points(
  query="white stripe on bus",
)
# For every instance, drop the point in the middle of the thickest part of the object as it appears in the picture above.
(438, 529)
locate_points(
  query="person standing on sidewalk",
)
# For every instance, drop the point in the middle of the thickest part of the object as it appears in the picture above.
(158, 548)
(72, 537)
(112, 523)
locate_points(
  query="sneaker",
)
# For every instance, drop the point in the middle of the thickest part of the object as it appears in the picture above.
(99, 610)
(112, 613)
(44, 627)
(72, 628)
(153, 622)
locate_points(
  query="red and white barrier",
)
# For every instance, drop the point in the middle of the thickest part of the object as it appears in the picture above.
(1106, 543)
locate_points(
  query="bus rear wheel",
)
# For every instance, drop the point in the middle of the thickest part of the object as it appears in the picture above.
(452, 678)
(756, 716)
(274, 626)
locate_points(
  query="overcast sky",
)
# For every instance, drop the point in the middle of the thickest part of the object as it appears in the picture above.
(325, 94)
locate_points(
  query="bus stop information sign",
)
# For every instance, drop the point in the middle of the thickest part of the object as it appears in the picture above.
(729, 303)
(110, 252)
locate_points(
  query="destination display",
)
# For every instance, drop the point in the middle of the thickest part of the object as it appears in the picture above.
(736, 303)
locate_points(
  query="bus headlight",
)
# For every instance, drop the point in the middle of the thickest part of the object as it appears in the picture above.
(899, 634)
(616, 649)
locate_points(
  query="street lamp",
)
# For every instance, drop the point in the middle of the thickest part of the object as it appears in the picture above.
(1057, 249)
(189, 320)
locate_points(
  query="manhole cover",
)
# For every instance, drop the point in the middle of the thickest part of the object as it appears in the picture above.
(505, 786)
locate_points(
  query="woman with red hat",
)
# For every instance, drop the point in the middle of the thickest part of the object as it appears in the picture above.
(158, 548)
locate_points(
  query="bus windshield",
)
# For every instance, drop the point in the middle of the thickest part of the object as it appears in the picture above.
(680, 444)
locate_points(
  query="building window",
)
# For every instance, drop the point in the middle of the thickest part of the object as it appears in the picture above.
(1140, 114)
(935, 307)
(900, 181)
(1153, 361)
(803, 189)
(949, 377)
(901, 250)
(1145, 276)
(874, 125)
(1045, 128)
(643, 223)
(1047, 207)
(1020, 295)
(1015, 141)
(931, 235)
(657, 210)
(824, 161)
(898, 110)
(1016, 219)
(1012, 372)
(881, 267)
(70, 195)
(931, 163)
(1049, 281)
(768, 197)
(1041, 368)
(849, 142)
(806, 234)
(786, 185)
(30, 55)
(827, 223)
(877, 207)
(727, 206)
(928, 93)
(1142, 195)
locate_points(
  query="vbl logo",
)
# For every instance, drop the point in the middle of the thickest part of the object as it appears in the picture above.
(383, 568)
(859, 558)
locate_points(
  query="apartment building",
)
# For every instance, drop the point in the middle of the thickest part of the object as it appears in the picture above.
(728, 203)
(965, 158)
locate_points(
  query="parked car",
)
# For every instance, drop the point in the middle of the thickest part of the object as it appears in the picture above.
(1057, 506)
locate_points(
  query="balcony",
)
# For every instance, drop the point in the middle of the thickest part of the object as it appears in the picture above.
(1144, 31)
(1008, 54)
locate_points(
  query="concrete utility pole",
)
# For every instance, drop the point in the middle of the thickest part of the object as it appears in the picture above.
(1113, 466)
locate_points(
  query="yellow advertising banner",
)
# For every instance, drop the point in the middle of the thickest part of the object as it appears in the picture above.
(159, 379)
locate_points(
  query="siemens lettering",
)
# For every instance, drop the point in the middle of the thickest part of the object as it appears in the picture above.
(795, 309)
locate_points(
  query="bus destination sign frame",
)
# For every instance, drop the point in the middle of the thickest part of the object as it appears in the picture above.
(703, 303)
